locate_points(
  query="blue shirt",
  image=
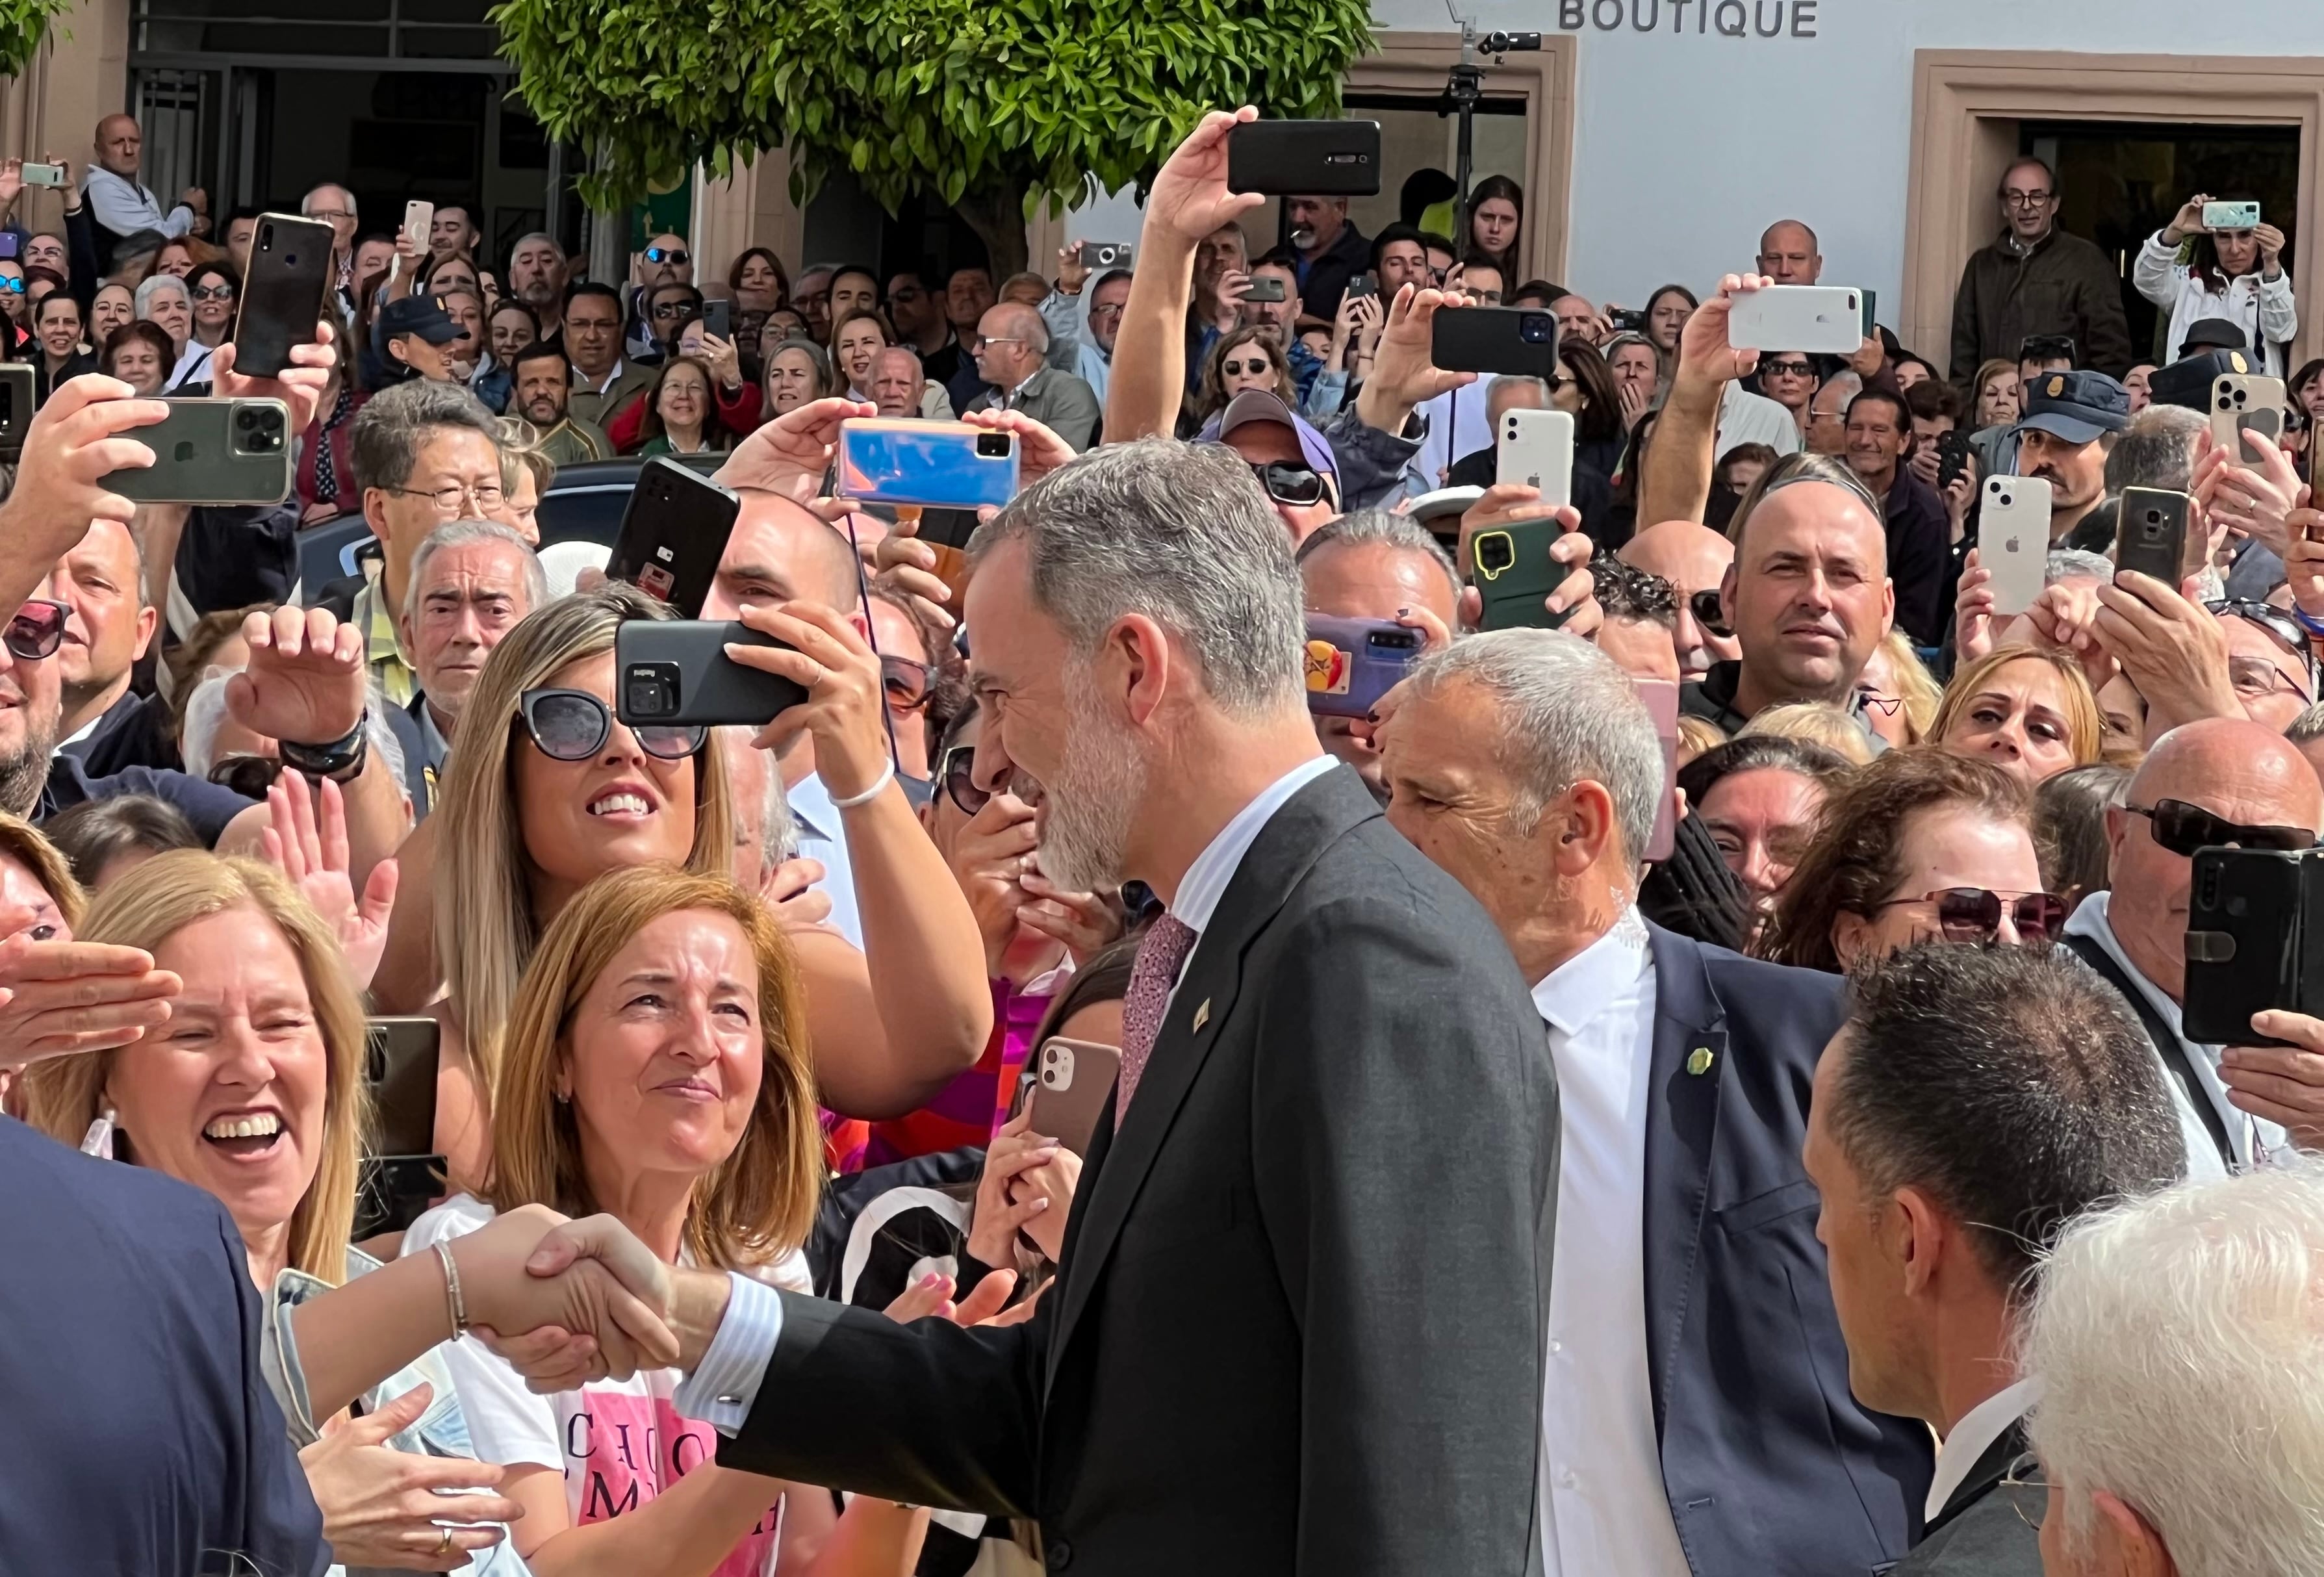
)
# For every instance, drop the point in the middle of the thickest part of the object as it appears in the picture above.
(206, 804)
(822, 836)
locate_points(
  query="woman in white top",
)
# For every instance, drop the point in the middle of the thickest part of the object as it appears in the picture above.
(2235, 274)
(657, 1068)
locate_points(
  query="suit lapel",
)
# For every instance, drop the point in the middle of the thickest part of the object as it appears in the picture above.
(1287, 846)
(1681, 1126)
(1991, 1468)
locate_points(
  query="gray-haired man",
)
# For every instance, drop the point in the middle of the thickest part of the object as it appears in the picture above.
(470, 584)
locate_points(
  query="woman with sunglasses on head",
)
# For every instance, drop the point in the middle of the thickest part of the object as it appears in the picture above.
(1921, 846)
(2028, 709)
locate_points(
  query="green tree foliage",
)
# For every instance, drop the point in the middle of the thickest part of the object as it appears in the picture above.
(23, 23)
(994, 107)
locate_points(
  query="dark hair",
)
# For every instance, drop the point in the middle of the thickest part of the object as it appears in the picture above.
(239, 212)
(1756, 754)
(2008, 1083)
(1853, 861)
(1601, 419)
(1495, 186)
(2306, 374)
(1627, 592)
(580, 288)
(61, 292)
(144, 328)
(782, 275)
(1888, 397)
(1477, 258)
(844, 269)
(95, 832)
(511, 304)
(646, 306)
(2070, 828)
(1390, 233)
(537, 351)
(1279, 258)
(1661, 290)
(1547, 293)
(1763, 454)
(1436, 243)
(1210, 395)
(1933, 400)
(715, 433)
(218, 266)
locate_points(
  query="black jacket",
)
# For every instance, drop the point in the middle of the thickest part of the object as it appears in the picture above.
(1920, 555)
(1324, 279)
(1298, 1327)
(1983, 1530)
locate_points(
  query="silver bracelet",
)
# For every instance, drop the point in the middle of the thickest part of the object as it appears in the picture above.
(879, 787)
(454, 1303)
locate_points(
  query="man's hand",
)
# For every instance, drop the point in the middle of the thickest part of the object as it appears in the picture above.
(2173, 649)
(845, 709)
(1403, 374)
(1705, 360)
(789, 890)
(305, 839)
(2282, 1084)
(696, 1300)
(603, 1290)
(791, 454)
(57, 998)
(1040, 451)
(1189, 198)
(383, 1507)
(305, 681)
(2251, 499)
(71, 446)
(1508, 502)
(1073, 274)
(900, 560)
(2065, 616)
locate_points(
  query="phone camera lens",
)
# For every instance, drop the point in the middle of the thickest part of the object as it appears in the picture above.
(1537, 329)
(246, 418)
(652, 690)
(2226, 403)
(2005, 498)
(1496, 553)
(993, 446)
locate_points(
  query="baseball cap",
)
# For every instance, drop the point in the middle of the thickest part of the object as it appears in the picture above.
(1264, 405)
(2075, 407)
(422, 315)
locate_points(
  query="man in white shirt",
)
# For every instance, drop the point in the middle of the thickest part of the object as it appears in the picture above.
(1693, 1424)
(1976, 1101)
(116, 201)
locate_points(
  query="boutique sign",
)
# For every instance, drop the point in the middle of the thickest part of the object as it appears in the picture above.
(1727, 18)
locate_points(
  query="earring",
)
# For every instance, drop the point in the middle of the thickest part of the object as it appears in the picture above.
(99, 1141)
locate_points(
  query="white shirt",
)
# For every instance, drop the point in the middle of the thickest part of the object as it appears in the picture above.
(1745, 418)
(823, 836)
(1605, 1512)
(1974, 1435)
(2262, 308)
(1457, 426)
(193, 366)
(2090, 919)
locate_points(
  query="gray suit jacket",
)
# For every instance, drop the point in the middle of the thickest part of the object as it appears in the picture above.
(1059, 402)
(1980, 1533)
(1297, 1328)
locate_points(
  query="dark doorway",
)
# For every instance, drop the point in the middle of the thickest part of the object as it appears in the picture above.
(2118, 182)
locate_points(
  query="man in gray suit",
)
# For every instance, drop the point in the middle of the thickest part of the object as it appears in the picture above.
(1013, 347)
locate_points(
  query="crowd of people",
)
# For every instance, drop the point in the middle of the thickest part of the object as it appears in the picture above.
(1838, 1191)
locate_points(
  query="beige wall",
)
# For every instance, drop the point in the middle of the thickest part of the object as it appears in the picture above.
(80, 73)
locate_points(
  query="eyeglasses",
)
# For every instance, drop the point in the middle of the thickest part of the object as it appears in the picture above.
(329, 216)
(1973, 914)
(673, 310)
(2020, 1477)
(1885, 705)
(2183, 828)
(1109, 309)
(904, 683)
(1292, 485)
(2025, 199)
(36, 631)
(1257, 367)
(1704, 606)
(977, 342)
(212, 292)
(958, 776)
(677, 254)
(572, 726)
(1787, 369)
(448, 500)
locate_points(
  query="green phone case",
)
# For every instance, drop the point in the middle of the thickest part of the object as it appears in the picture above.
(215, 452)
(1513, 572)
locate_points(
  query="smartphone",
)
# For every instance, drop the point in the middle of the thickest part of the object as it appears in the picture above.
(213, 451)
(2013, 540)
(15, 407)
(1870, 298)
(1071, 1080)
(675, 672)
(673, 534)
(1627, 319)
(1661, 696)
(1269, 289)
(1351, 663)
(2241, 403)
(718, 317)
(1536, 447)
(43, 174)
(400, 1170)
(1366, 283)
(1305, 158)
(1513, 573)
(10, 243)
(907, 460)
(289, 277)
(1520, 340)
(2254, 941)
(1818, 319)
(1097, 255)
(2216, 216)
(1952, 456)
(2150, 534)
(417, 218)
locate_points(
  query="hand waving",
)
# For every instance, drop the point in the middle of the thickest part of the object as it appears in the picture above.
(308, 843)
(305, 680)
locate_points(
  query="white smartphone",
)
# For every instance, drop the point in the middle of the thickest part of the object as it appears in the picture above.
(43, 174)
(2013, 540)
(1818, 319)
(417, 218)
(2230, 216)
(1536, 447)
(2241, 404)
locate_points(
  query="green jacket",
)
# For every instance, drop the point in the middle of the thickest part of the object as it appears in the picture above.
(2064, 285)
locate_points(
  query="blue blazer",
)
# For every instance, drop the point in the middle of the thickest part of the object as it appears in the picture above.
(141, 1437)
(1770, 1463)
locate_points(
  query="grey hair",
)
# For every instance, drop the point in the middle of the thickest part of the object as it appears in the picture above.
(154, 285)
(1036, 327)
(529, 237)
(395, 422)
(1182, 534)
(1847, 382)
(307, 203)
(2180, 1342)
(1520, 382)
(1377, 528)
(2309, 725)
(1567, 713)
(470, 534)
(2075, 564)
(2157, 450)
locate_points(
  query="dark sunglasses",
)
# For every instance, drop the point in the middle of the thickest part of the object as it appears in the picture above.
(2183, 828)
(1787, 369)
(669, 254)
(572, 726)
(248, 776)
(37, 630)
(1704, 606)
(1237, 368)
(906, 683)
(673, 310)
(2268, 617)
(958, 776)
(212, 292)
(1973, 914)
(1290, 483)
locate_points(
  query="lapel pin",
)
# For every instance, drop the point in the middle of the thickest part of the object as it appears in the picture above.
(1202, 1013)
(1698, 1061)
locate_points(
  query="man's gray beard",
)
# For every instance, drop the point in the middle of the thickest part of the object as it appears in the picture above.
(1093, 800)
(24, 774)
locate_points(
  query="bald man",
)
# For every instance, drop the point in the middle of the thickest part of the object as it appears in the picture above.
(1694, 559)
(1788, 254)
(1011, 347)
(117, 202)
(2222, 780)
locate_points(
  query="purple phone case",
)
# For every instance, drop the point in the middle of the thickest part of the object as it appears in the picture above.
(1351, 663)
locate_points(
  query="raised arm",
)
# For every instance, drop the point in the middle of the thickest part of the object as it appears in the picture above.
(84, 433)
(1674, 475)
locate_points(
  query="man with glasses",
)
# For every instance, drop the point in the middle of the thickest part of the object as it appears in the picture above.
(1293, 462)
(1976, 1101)
(666, 261)
(2036, 279)
(1107, 298)
(2221, 782)
(1824, 431)
(918, 311)
(1694, 559)
(335, 205)
(1011, 349)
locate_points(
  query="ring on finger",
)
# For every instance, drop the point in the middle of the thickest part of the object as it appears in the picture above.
(444, 1546)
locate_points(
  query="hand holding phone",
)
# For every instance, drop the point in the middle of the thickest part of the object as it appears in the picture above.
(673, 534)
(2013, 540)
(943, 465)
(289, 277)
(1071, 1081)
(1818, 319)
(42, 174)
(1351, 663)
(1304, 158)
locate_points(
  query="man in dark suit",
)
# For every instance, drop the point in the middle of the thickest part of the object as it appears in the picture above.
(1976, 1102)
(1297, 1323)
(1696, 1420)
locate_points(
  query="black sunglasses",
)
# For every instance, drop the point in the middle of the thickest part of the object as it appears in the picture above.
(2183, 828)
(37, 630)
(905, 682)
(1255, 366)
(1973, 914)
(1292, 485)
(1704, 606)
(958, 776)
(1787, 369)
(572, 726)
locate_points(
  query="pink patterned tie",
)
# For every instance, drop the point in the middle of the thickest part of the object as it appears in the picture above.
(1160, 957)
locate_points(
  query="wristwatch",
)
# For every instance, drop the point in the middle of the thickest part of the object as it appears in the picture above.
(339, 760)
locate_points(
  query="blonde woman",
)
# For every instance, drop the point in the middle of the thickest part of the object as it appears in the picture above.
(1898, 695)
(1815, 722)
(656, 1067)
(2028, 709)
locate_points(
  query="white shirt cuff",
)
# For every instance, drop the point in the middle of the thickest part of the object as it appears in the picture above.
(721, 1387)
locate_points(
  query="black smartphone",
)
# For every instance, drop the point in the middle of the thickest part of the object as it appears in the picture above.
(1364, 284)
(1519, 340)
(673, 534)
(1305, 158)
(2151, 534)
(282, 298)
(402, 1170)
(1270, 288)
(948, 528)
(15, 407)
(1952, 456)
(718, 317)
(675, 672)
(216, 451)
(1627, 319)
(2254, 941)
